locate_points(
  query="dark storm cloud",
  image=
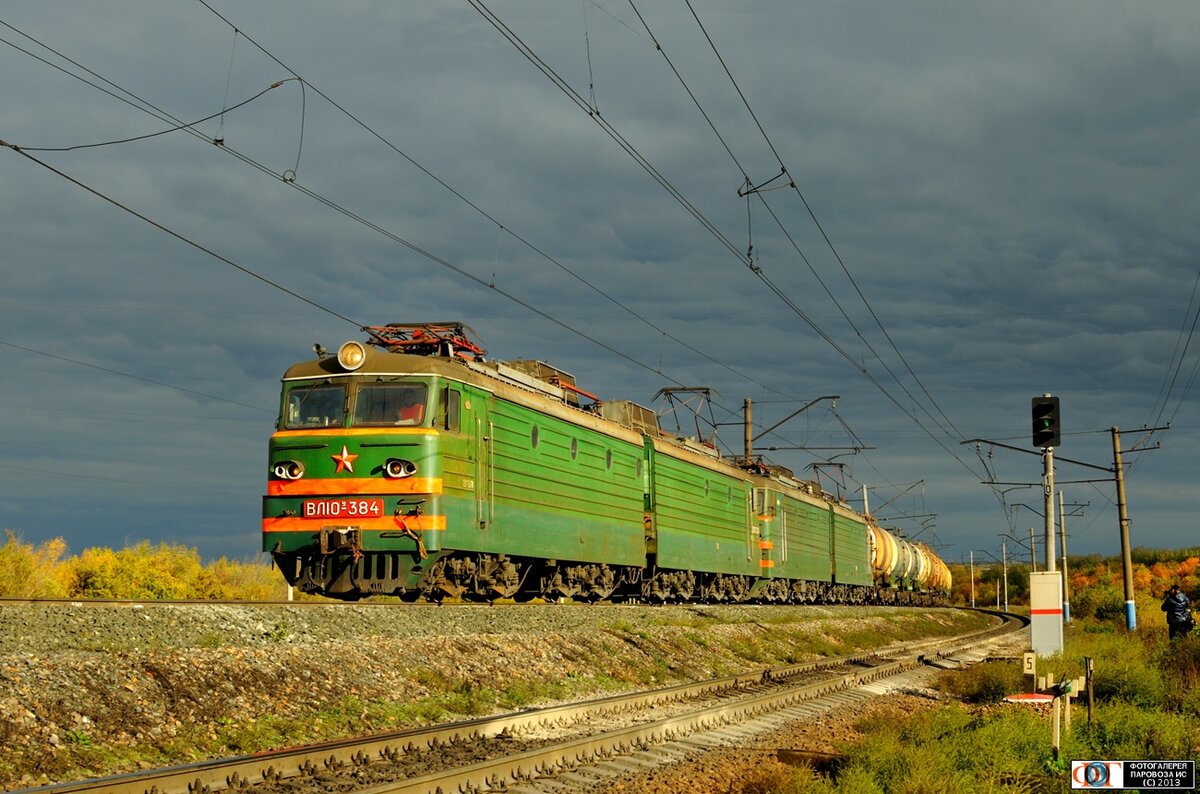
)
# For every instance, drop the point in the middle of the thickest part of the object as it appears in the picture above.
(1009, 185)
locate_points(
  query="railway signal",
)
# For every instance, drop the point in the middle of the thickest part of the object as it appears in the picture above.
(1045, 421)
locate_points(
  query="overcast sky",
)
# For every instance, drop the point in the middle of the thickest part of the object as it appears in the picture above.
(1005, 195)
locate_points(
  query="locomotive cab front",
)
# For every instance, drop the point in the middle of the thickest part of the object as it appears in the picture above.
(353, 502)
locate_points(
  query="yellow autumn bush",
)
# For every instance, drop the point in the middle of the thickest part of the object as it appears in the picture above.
(27, 571)
(145, 571)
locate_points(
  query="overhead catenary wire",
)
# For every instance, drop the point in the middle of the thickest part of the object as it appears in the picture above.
(817, 223)
(613, 133)
(745, 258)
(147, 107)
(758, 271)
(752, 190)
(144, 106)
(177, 235)
(485, 214)
(284, 176)
(417, 249)
(129, 375)
(608, 129)
(1178, 356)
(148, 136)
(616, 136)
(220, 136)
(749, 260)
(500, 226)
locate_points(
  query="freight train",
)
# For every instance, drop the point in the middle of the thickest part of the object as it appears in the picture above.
(412, 465)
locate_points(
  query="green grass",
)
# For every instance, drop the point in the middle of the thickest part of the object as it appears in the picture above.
(1148, 706)
(963, 749)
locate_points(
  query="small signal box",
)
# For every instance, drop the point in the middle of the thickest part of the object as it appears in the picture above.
(1046, 432)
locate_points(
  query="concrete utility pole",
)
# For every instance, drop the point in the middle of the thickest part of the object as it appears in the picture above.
(972, 578)
(1123, 517)
(1062, 523)
(1048, 504)
(1032, 552)
(749, 446)
(1004, 566)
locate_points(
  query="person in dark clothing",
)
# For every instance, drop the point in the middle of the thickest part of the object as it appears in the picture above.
(1179, 614)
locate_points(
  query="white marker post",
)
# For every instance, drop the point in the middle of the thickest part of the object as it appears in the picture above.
(1045, 612)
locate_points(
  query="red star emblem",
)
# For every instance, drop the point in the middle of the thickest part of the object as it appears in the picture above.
(345, 460)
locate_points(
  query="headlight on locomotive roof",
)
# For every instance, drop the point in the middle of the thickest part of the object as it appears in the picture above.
(289, 470)
(398, 468)
(351, 355)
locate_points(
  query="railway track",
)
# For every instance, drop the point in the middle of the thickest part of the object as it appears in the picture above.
(129, 603)
(530, 750)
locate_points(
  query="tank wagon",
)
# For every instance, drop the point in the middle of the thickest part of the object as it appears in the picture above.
(411, 465)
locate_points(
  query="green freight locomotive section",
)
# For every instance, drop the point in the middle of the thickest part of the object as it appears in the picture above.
(411, 465)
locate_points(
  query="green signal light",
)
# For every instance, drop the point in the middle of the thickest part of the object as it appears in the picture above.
(1045, 421)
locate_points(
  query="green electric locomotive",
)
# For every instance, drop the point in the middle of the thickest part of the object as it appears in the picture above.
(411, 465)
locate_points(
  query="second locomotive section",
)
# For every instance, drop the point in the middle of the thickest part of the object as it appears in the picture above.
(441, 474)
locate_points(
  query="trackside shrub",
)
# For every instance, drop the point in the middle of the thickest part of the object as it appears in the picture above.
(229, 579)
(987, 682)
(1125, 669)
(1101, 601)
(1179, 662)
(145, 571)
(1131, 681)
(31, 572)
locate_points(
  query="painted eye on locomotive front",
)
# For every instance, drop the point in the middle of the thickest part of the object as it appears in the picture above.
(289, 470)
(398, 468)
(351, 355)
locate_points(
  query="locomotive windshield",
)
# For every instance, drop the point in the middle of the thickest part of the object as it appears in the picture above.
(315, 406)
(390, 404)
